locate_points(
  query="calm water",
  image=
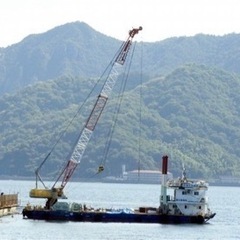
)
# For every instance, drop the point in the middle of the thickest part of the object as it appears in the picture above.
(223, 200)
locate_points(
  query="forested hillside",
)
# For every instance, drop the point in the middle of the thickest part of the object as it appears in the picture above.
(191, 114)
(181, 99)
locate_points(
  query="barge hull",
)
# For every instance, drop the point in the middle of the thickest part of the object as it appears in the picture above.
(60, 215)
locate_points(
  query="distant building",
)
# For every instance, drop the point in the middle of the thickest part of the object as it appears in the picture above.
(144, 176)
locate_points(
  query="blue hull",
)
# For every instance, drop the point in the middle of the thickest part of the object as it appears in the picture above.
(122, 217)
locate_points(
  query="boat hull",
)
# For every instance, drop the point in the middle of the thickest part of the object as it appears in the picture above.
(4, 211)
(121, 217)
(8, 204)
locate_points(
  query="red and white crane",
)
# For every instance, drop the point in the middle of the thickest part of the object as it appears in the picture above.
(57, 192)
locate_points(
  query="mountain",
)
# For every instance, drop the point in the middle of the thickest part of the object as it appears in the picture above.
(72, 49)
(76, 49)
(189, 103)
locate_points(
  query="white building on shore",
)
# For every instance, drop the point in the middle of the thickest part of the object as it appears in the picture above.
(144, 176)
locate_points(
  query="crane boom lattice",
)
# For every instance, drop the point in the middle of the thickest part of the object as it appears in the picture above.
(98, 108)
(77, 154)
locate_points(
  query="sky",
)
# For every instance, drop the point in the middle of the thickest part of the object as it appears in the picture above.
(160, 19)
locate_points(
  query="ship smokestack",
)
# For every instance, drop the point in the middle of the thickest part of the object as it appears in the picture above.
(164, 164)
(163, 197)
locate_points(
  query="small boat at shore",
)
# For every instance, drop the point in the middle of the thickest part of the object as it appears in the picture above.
(188, 204)
(8, 204)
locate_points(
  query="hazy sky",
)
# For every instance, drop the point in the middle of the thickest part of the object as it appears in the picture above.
(160, 19)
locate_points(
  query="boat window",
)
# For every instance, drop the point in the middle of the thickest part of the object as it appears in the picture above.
(196, 193)
(199, 207)
(186, 192)
(185, 206)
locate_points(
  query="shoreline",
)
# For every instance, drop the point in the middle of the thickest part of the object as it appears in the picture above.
(117, 180)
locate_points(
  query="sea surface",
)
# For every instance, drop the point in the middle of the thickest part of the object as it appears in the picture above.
(223, 200)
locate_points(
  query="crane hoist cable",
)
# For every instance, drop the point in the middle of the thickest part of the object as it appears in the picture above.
(116, 113)
(140, 114)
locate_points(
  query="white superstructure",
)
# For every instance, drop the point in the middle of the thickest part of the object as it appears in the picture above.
(189, 197)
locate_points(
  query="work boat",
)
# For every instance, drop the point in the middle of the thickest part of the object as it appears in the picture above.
(188, 204)
(189, 199)
(8, 204)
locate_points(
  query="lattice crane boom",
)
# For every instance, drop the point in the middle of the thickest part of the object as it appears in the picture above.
(90, 125)
(97, 109)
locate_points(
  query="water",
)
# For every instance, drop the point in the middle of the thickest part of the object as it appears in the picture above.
(223, 200)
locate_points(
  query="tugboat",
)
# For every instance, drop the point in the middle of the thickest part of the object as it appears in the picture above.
(188, 204)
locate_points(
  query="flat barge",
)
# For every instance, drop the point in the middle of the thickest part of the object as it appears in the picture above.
(188, 204)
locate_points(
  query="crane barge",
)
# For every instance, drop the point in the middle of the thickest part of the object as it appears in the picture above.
(170, 210)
